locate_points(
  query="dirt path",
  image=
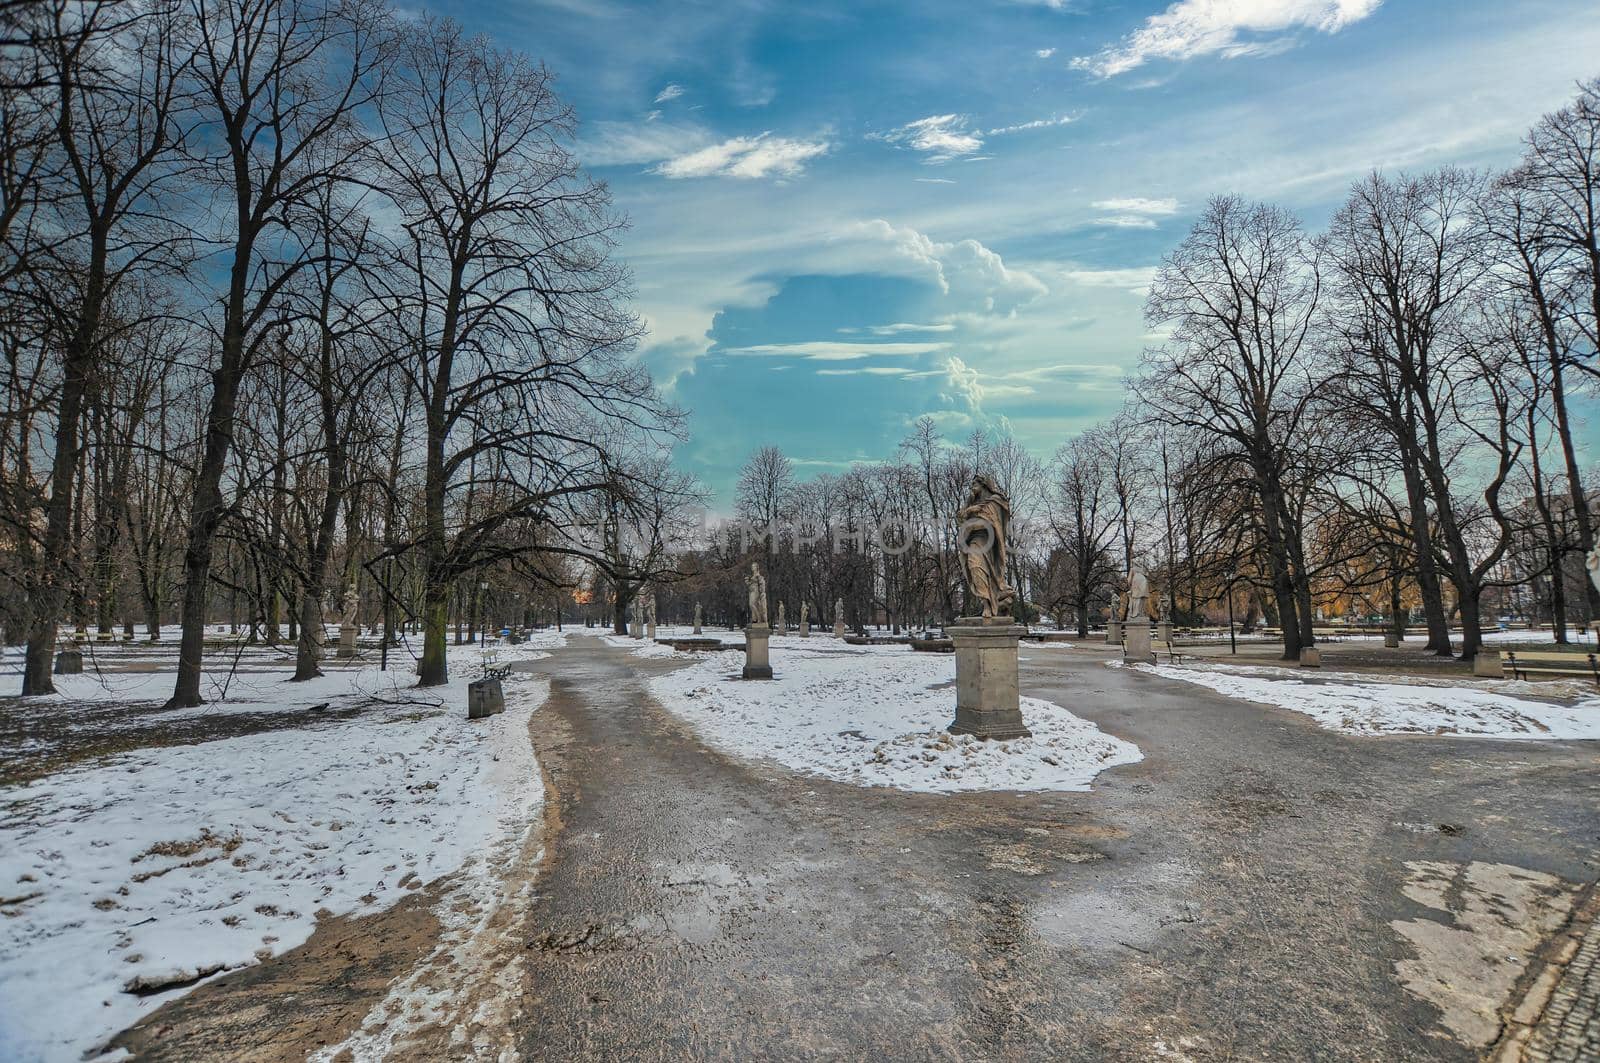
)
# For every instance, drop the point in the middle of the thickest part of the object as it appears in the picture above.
(1245, 891)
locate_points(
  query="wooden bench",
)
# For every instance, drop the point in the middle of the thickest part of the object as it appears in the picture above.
(497, 672)
(1173, 656)
(1521, 664)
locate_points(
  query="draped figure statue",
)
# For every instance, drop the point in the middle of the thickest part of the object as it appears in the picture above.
(984, 523)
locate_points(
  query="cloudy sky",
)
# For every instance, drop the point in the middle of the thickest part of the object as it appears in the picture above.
(848, 214)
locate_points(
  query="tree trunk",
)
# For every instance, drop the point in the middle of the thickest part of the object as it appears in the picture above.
(433, 670)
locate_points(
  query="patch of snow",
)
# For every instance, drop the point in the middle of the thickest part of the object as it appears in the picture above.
(876, 716)
(166, 864)
(1346, 703)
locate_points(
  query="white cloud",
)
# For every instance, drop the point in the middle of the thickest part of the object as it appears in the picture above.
(974, 277)
(746, 157)
(867, 370)
(1134, 212)
(903, 326)
(1045, 53)
(941, 137)
(826, 351)
(631, 144)
(1192, 28)
(1137, 205)
(671, 92)
(934, 180)
(1038, 123)
(1136, 280)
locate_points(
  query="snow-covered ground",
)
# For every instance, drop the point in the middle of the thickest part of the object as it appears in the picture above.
(876, 716)
(166, 864)
(1352, 703)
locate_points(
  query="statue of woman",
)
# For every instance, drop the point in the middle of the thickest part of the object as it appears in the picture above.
(352, 606)
(1138, 594)
(756, 585)
(984, 522)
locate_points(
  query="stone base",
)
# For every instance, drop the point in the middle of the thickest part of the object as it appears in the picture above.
(69, 662)
(838, 630)
(1114, 633)
(636, 630)
(757, 665)
(1310, 657)
(1486, 665)
(347, 640)
(697, 629)
(987, 703)
(1136, 641)
(805, 631)
(485, 697)
(650, 632)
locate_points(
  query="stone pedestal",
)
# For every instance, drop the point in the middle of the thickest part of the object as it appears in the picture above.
(1310, 657)
(69, 662)
(986, 678)
(485, 697)
(650, 631)
(1391, 640)
(1486, 665)
(1164, 632)
(838, 629)
(805, 629)
(1114, 633)
(697, 627)
(756, 663)
(636, 630)
(1136, 643)
(347, 640)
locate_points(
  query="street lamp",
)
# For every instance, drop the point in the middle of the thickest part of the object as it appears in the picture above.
(1233, 643)
(483, 604)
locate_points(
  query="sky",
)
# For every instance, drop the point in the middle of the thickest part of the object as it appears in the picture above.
(846, 215)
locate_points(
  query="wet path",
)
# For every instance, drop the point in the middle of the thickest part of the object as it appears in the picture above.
(1238, 894)
(1229, 896)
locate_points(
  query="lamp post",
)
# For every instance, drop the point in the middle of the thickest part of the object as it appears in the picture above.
(483, 605)
(1233, 643)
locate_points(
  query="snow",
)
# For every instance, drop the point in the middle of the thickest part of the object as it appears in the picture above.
(168, 864)
(876, 716)
(1352, 704)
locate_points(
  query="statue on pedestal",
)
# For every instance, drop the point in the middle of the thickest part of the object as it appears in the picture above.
(1138, 594)
(352, 606)
(756, 587)
(984, 523)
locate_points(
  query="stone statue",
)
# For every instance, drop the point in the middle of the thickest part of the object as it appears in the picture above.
(697, 616)
(838, 610)
(984, 523)
(352, 605)
(1138, 594)
(756, 586)
(805, 612)
(1592, 563)
(783, 621)
(650, 609)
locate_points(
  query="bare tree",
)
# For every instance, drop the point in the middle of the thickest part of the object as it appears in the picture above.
(1241, 295)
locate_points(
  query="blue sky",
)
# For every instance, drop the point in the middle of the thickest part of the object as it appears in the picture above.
(846, 215)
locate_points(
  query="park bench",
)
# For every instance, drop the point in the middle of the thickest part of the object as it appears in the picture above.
(1521, 664)
(497, 672)
(1168, 648)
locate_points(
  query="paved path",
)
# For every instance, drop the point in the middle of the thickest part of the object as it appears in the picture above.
(1230, 896)
(1241, 893)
